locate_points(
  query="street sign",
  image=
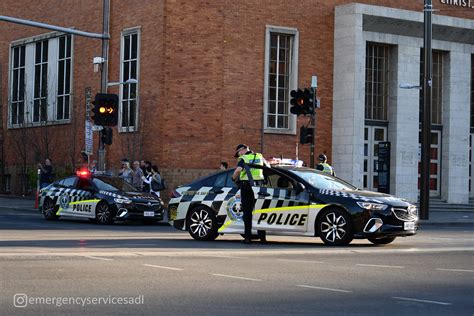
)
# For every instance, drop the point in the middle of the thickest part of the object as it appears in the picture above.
(89, 138)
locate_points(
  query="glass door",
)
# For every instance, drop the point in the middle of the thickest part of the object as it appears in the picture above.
(373, 135)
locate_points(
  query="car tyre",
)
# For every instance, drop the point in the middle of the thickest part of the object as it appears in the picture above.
(381, 241)
(334, 227)
(202, 223)
(49, 210)
(104, 214)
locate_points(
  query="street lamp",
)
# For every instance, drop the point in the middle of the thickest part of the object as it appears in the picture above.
(129, 81)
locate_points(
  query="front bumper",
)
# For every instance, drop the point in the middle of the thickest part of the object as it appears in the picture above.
(139, 212)
(396, 222)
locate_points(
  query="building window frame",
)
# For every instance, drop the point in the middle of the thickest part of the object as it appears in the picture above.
(129, 96)
(292, 80)
(40, 91)
(17, 86)
(377, 81)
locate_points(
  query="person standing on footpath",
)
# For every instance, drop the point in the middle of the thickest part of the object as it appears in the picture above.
(46, 176)
(137, 175)
(245, 181)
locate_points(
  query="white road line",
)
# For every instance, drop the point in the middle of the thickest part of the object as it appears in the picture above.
(323, 288)
(421, 301)
(379, 266)
(455, 270)
(162, 267)
(305, 261)
(235, 277)
(224, 256)
(105, 259)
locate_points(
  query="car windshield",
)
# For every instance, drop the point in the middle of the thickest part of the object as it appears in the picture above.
(113, 184)
(322, 181)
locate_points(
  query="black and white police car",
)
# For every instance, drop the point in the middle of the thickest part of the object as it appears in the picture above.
(101, 198)
(294, 201)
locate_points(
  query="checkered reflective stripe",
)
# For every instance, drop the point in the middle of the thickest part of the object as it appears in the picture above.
(275, 197)
(344, 194)
(56, 192)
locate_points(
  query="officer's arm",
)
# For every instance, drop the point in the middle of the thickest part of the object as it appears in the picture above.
(237, 171)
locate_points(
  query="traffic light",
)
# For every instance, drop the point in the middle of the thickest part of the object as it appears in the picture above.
(105, 109)
(106, 135)
(302, 101)
(306, 135)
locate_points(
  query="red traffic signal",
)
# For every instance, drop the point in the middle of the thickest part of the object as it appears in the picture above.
(105, 111)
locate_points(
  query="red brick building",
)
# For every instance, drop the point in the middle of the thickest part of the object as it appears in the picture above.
(211, 75)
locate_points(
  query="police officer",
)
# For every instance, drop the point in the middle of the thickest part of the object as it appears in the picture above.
(245, 157)
(324, 166)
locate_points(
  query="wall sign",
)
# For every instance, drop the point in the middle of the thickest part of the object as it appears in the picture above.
(459, 3)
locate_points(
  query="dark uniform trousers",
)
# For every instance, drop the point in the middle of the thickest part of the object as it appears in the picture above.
(248, 205)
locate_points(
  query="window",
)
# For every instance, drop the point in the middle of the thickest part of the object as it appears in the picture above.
(18, 85)
(64, 78)
(280, 78)
(129, 70)
(7, 183)
(69, 182)
(437, 87)
(377, 72)
(40, 84)
(40, 107)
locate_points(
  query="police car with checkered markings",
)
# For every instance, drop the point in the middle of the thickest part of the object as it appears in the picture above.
(102, 199)
(293, 201)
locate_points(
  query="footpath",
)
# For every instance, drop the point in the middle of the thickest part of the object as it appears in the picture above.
(439, 214)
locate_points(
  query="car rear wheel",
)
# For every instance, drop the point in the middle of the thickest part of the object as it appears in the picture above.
(381, 241)
(335, 227)
(49, 210)
(202, 223)
(104, 214)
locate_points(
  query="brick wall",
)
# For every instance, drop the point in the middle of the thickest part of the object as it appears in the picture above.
(201, 76)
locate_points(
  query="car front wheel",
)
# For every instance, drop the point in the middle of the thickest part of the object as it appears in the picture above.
(103, 214)
(335, 227)
(381, 241)
(202, 223)
(49, 210)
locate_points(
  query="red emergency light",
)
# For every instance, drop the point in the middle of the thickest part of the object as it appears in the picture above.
(83, 173)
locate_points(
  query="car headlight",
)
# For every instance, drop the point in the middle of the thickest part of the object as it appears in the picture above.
(372, 206)
(122, 201)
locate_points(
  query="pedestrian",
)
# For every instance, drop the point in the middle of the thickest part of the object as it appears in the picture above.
(324, 166)
(46, 175)
(137, 175)
(224, 165)
(154, 181)
(93, 167)
(245, 157)
(126, 173)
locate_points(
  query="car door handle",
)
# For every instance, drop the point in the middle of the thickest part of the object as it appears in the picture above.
(217, 191)
(263, 194)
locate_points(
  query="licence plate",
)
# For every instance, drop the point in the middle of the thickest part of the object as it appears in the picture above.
(149, 214)
(409, 225)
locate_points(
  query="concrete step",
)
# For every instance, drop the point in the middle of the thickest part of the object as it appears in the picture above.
(441, 205)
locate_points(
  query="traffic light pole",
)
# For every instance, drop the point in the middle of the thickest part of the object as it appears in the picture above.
(103, 79)
(426, 119)
(313, 125)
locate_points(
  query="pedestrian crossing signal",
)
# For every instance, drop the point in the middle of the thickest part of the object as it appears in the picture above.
(105, 111)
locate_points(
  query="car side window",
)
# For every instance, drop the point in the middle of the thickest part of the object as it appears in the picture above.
(277, 181)
(228, 181)
(83, 183)
(208, 182)
(68, 182)
(220, 180)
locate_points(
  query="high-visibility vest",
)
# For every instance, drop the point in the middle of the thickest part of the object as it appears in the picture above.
(327, 168)
(255, 159)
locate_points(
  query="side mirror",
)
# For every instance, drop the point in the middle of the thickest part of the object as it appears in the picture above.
(300, 187)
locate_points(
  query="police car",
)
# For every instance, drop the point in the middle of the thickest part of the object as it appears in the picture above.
(99, 198)
(294, 201)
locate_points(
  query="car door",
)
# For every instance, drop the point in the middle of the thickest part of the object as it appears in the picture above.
(281, 204)
(76, 199)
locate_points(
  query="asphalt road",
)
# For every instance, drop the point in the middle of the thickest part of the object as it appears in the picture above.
(76, 267)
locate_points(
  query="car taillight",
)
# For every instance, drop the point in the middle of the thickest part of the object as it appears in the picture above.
(175, 194)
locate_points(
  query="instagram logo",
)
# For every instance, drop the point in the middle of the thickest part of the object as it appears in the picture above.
(20, 300)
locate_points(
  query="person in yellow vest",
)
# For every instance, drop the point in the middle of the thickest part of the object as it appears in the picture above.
(324, 166)
(241, 177)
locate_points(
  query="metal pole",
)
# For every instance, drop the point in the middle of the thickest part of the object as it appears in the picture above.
(104, 75)
(53, 27)
(426, 112)
(313, 125)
